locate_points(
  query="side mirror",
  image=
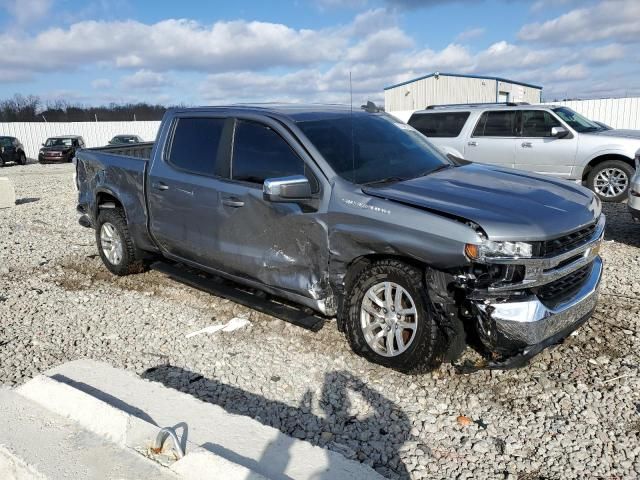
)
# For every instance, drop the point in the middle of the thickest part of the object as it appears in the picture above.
(287, 189)
(559, 132)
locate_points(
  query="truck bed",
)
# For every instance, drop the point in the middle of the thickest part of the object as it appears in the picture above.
(137, 150)
(116, 172)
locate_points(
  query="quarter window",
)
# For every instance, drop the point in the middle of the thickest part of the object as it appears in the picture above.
(195, 144)
(260, 153)
(538, 123)
(439, 125)
(496, 124)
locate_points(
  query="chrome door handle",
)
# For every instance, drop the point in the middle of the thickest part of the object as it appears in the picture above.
(232, 202)
(527, 145)
(473, 144)
(160, 186)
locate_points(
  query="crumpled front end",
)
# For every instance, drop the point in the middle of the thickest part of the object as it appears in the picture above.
(551, 296)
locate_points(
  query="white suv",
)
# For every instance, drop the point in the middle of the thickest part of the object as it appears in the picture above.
(552, 140)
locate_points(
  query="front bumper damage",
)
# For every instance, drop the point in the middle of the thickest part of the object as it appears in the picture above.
(515, 323)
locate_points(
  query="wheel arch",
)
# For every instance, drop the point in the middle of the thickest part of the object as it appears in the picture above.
(107, 199)
(357, 265)
(603, 158)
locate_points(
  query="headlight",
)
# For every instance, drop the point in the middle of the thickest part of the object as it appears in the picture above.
(490, 249)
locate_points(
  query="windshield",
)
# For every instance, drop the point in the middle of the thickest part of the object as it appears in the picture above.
(6, 142)
(368, 148)
(576, 121)
(58, 142)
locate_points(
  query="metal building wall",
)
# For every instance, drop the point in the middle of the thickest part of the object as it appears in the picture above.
(95, 134)
(615, 112)
(447, 89)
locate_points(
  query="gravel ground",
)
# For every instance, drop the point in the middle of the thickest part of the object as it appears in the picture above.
(573, 413)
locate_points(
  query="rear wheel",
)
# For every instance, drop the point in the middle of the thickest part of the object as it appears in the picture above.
(22, 160)
(115, 245)
(610, 180)
(388, 317)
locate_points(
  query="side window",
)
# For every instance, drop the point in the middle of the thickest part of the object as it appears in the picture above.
(195, 144)
(75, 143)
(538, 123)
(496, 124)
(260, 153)
(439, 125)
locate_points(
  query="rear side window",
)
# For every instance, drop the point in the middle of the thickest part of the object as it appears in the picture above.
(195, 144)
(260, 153)
(439, 125)
(496, 124)
(538, 123)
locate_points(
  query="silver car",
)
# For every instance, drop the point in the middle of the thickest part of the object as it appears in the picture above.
(547, 139)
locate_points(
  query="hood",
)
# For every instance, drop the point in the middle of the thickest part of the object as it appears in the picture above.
(507, 204)
(619, 133)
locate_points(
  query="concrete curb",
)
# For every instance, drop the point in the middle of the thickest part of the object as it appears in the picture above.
(129, 411)
(7, 193)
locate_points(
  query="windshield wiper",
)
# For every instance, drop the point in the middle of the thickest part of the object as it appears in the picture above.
(386, 180)
(444, 166)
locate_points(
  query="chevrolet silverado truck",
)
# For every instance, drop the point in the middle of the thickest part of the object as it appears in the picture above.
(356, 216)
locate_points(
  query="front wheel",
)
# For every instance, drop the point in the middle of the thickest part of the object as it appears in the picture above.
(610, 180)
(115, 245)
(23, 159)
(389, 319)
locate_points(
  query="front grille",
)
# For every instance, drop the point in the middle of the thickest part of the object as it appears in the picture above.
(564, 285)
(568, 242)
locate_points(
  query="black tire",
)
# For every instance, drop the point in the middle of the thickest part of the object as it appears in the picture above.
(131, 261)
(619, 165)
(424, 351)
(1, 162)
(22, 160)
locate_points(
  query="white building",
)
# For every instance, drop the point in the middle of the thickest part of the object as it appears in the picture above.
(447, 88)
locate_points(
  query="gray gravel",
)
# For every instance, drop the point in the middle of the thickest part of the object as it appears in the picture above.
(574, 413)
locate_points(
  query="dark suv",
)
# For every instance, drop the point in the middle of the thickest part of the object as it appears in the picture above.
(60, 149)
(11, 150)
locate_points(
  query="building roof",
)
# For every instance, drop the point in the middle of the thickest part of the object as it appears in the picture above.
(499, 79)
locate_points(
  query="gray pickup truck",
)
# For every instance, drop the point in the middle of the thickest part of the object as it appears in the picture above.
(354, 215)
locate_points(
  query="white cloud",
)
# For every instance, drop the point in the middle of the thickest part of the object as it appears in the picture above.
(470, 34)
(101, 84)
(616, 19)
(145, 79)
(173, 44)
(26, 11)
(606, 54)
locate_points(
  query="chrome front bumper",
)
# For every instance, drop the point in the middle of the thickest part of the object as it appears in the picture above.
(513, 325)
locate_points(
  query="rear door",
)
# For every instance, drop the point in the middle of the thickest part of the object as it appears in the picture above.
(493, 139)
(283, 245)
(538, 151)
(182, 188)
(441, 128)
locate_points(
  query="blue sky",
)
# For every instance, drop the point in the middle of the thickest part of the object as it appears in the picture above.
(205, 52)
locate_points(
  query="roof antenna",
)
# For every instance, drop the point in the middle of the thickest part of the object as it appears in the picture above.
(353, 147)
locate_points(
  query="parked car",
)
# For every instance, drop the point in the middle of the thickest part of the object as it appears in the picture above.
(552, 140)
(60, 149)
(634, 192)
(125, 140)
(11, 150)
(355, 215)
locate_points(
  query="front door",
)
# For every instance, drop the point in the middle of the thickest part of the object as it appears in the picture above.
(284, 245)
(493, 139)
(538, 151)
(182, 188)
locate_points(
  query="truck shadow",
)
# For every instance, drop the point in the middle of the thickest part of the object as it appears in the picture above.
(620, 227)
(370, 429)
